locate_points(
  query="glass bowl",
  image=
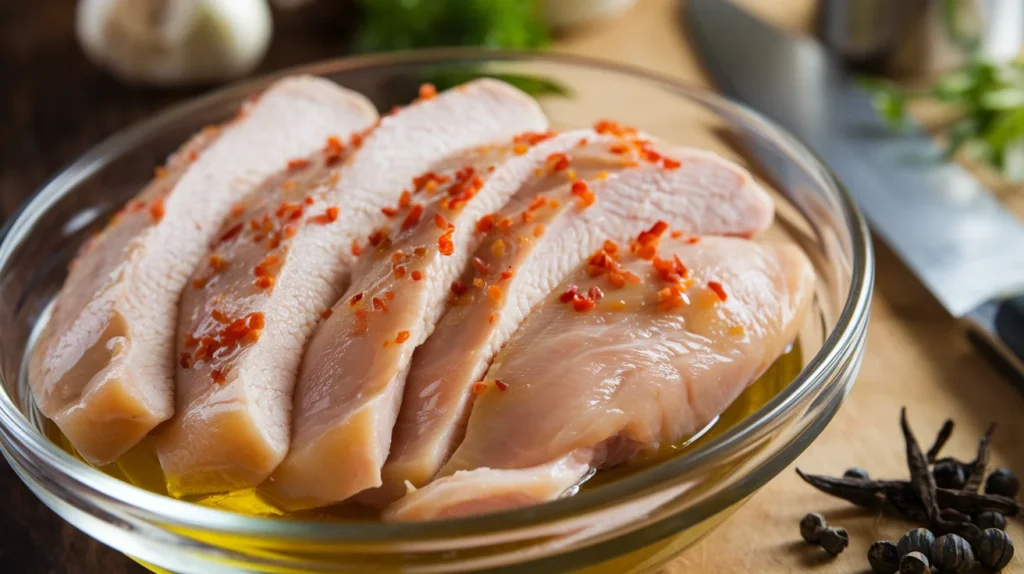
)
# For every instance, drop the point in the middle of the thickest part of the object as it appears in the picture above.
(631, 524)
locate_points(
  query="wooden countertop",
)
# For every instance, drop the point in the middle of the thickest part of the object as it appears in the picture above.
(56, 106)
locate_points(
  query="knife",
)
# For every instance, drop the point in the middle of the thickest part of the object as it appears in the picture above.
(952, 233)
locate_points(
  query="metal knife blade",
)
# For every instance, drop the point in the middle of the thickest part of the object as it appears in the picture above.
(948, 228)
(955, 236)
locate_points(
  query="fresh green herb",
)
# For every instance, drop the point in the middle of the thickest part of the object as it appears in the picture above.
(408, 24)
(990, 98)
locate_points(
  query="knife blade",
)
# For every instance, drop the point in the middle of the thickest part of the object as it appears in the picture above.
(952, 233)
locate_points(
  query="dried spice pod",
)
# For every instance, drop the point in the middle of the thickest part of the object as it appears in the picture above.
(976, 469)
(995, 549)
(917, 540)
(1002, 482)
(857, 472)
(921, 478)
(884, 557)
(940, 440)
(949, 473)
(990, 519)
(812, 526)
(953, 515)
(951, 553)
(834, 540)
(915, 563)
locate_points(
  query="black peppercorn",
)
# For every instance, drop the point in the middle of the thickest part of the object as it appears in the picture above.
(834, 540)
(949, 473)
(884, 557)
(914, 563)
(951, 553)
(990, 519)
(1002, 482)
(917, 540)
(995, 549)
(811, 527)
(857, 472)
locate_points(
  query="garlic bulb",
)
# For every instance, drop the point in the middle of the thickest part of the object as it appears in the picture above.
(174, 42)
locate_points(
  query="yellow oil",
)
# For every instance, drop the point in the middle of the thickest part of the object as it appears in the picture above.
(141, 468)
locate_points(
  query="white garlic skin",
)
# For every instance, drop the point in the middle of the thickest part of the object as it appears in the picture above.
(174, 42)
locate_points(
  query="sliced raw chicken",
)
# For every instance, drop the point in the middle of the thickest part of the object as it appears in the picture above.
(103, 369)
(602, 372)
(354, 368)
(282, 263)
(705, 194)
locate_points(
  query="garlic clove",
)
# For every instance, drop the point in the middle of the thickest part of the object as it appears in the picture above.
(175, 42)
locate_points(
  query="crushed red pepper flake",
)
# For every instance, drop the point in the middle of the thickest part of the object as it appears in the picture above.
(220, 317)
(494, 292)
(156, 210)
(444, 243)
(558, 162)
(402, 337)
(479, 387)
(389, 211)
(327, 314)
(485, 223)
(507, 273)
(231, 233)
(526, 216)
(582, 304)
(427, 91)
(185, 361)
(538, 202)
(478, 283)
(718, 290)
(538, 230)
(265, 282)
(498, 248)
(502, 385)
(670, 163)
(375, 238)
(297, 164)
(595, 293)
(440, 221)
(193, 155)
(692, 240)
(413, 218)
(459, 288)
(405, 199)
(330, 215)
(199, 282)
(357, 249)
(218, 376)
(645, 246)
(378, 304)
(355, 299)
(533, 138)
(491, 318)
(481, 267)
(399, 272)
(290, 231)
(614, 128)
(584, 195)
(389, 295)
(520, 148)
(419, 251)
(416, 275)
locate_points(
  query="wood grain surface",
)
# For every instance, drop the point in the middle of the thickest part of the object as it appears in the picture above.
(54, 106)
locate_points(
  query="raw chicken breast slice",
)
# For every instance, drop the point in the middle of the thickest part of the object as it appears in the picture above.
(354, 369)
(603, 372)
(103, 369)
(281, 265)
(705, 194)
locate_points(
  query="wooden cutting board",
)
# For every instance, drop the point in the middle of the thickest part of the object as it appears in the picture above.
(916, 356)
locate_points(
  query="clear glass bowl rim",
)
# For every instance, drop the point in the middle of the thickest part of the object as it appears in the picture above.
(188, 515)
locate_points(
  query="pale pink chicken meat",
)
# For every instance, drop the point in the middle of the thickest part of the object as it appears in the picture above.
(282, 263)
(705, 194)
(354, 369)
(103, 370)
(600, 376)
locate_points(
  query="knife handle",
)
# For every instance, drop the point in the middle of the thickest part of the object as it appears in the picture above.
(997, 328)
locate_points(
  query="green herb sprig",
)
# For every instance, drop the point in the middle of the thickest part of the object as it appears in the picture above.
(990, 97)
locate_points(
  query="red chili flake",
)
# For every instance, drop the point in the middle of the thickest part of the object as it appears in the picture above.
(613, 128)
(533, 138)
(263, 268)
(619, 149)
(330, 215)
(399, 272)
(290, 231)
(485, 223)
(355, 299)
(265, 282)
(405, 199)
(671, 297)
(444, 243)
(193, 155)
(361, 322)
(357, 249)
(595, 293)
(378, 304)
(671, 270)
(459, 288)
(610, 247)
(327, 314)
(502, 385)
(402, 337)
(538, 230)
(375, 238)
(520, 148)
(585, 197)
(416, 275)
(199, 282)
(479, 387)
(558, 162)
(254, 224)
(427, 91)
(494, 292)
(156, 210)
(582, 304)
(582, 142)
(190, 341)
(645, 246)
(491, 318)
(296, 214)
(692, 240)
(505, 223)
(481, 267)
(719, 291)
(297, 164)
(537, 203)
(185, 361)
(568, 294)
(231, 233)
(419, 251)
(389, 295)
(651, 155)
(507, 273)
(440, 221)
(670, 163)
(526, 216)
(389, 211)
(218, 376)
(413, 218)
(256, 321)
(286, 209)
(333, 150)
(220, 317)
(676, 234)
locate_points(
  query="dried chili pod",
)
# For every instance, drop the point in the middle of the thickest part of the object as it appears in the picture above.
(1002, 482)
(952, 553)
(949, 473)
(884, 557)
(990, 519)
(811, 527)
(917, 540)
(834, 540)
(915, 563)
(995, 549)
